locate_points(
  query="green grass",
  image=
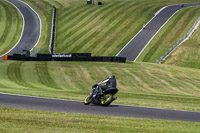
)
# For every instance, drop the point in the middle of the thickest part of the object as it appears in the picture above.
(11, 24)
(17, 120)
(44, 9)
(170, 34)
(101, 30)
(104, 30)
(187, 55)
(141, 84)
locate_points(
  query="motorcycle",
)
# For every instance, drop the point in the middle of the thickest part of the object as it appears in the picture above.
(101, 96)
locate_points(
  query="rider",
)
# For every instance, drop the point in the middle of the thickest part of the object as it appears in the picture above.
(110, 83)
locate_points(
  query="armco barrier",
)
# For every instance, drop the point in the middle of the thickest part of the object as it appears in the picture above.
(67, 57)
(179, 42)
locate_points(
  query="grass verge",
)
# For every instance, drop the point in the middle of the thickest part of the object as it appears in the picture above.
(17, 120)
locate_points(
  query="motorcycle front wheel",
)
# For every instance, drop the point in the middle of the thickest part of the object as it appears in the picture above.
(108, 100)
(87, 100)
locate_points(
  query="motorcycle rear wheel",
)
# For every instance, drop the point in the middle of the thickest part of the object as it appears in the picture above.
(87, 100)
(108, 100)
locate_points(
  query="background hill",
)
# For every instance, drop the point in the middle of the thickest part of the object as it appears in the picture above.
(187, 54)
(104, 30)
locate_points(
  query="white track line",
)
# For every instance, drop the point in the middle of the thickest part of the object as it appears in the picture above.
(22, 30)
(23, 27)
(40, 97)
(160, 28)
(39, 20)
(154, 34)
(135, 35)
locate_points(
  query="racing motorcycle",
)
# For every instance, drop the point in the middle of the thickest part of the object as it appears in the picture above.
(102, 95)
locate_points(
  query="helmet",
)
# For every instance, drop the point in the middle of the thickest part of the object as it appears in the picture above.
(112, 76)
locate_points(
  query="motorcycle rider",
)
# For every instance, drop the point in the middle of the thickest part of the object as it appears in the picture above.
(110, 84)
(103, 92)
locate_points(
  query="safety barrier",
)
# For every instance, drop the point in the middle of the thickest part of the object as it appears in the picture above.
(67, 57)
(53, 28)
(179, 42)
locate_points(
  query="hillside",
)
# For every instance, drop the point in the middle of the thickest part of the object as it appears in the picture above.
(101, 30)
(104, 30)
(187, 54)
(140, 84)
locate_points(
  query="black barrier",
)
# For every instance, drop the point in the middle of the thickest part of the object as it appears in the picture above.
(73, 57)
(44, 55)
(64, 55)
(71, 54)
(100, 3)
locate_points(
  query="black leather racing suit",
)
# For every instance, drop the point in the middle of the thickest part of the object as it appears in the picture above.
(110, 83)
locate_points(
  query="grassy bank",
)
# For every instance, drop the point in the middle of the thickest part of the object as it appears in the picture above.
(104, 30)
(188, 54)
(101, 30)
(11, 24)
(141, 84)
(17, 120)
(170, 34)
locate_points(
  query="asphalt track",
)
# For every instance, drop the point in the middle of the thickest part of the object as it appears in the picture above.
(138, 43)
(58, 105)
(31, 28)
(29, 39)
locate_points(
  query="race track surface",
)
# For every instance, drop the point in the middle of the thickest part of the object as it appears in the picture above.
(31, 31)
(137, 44)
(35, 103)
(30, 37)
